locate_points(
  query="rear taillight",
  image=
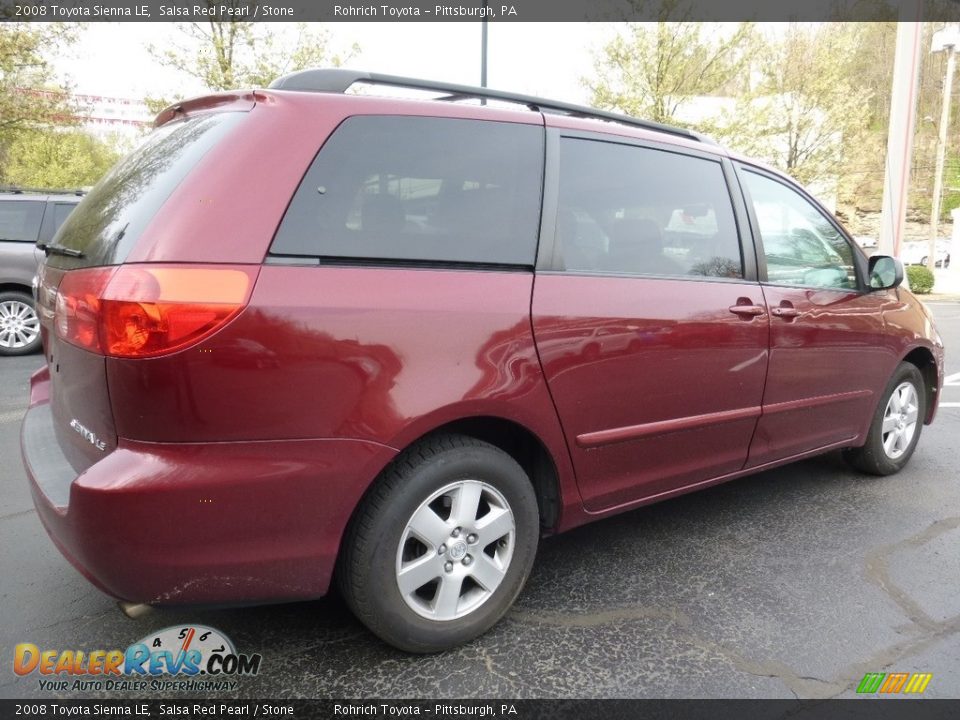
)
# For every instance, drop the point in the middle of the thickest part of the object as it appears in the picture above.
(77, 313)
(147, 310)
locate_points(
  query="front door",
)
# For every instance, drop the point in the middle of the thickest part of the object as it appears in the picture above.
(826, 364)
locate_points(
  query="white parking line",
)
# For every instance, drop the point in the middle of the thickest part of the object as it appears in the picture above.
(952, 379)
(957, 404)
(14, 416)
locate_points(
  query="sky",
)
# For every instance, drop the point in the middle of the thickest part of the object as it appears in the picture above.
(545, 59)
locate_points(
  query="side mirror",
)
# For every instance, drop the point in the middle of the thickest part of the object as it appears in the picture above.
(885, 272)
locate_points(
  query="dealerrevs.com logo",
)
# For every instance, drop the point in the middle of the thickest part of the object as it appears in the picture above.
(187, 658)
(893, 683)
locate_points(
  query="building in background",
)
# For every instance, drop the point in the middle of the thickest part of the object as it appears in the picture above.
(104, 117)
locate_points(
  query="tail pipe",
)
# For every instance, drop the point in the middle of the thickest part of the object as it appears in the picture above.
(134, 610)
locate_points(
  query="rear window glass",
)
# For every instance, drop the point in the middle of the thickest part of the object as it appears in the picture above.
(109, 220)
(420, 189)
(20, 220)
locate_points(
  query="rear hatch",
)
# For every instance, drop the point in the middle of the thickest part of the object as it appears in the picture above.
(83, 256)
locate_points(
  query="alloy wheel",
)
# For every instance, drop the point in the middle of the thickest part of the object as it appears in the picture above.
(19, 324)
(900, 420)
(455, 550)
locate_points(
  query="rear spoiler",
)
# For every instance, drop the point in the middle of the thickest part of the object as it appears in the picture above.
(230, 101)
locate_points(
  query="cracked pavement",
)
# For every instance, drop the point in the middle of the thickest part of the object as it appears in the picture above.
(791, 583)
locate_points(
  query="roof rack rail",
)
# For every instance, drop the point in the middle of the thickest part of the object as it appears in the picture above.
(20, 190)
(339, 80)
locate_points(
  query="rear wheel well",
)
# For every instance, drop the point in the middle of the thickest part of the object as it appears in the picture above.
(922, 358)
(16, 287)
(524, 447)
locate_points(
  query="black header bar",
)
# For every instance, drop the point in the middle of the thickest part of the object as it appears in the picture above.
(476, 10)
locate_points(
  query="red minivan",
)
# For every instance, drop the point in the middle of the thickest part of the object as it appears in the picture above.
(303, 335)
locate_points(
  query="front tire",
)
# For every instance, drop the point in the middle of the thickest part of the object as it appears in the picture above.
(441, 546)
(897, 422)
(19, 324)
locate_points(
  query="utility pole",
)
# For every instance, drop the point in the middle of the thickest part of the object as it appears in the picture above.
(483, 51)
(483, 48)
(903, 107)
(945, 39)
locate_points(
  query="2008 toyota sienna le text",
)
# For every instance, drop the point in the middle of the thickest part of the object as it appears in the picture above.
(303, 335)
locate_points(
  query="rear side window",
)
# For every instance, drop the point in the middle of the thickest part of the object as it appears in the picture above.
(61, 211)
(109, 220)
(639, 211)
(53, 218)
(20, 220)
(420, 189)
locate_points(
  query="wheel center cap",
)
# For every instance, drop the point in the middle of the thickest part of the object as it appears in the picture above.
(457, 551)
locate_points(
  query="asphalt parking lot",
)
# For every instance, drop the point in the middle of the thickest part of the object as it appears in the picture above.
(792, 583)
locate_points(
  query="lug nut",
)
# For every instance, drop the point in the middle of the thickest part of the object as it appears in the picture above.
(467, 560)
(448, 566)
(441, 550)
(471, 538)
(456, 532)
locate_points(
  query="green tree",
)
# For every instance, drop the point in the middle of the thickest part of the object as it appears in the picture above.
(30, 94)
(231, 54)
(805, 108)
(651, 70)
(871, 68)
(56, 159)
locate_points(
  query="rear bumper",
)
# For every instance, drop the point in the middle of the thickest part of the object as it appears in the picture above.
(201, 523)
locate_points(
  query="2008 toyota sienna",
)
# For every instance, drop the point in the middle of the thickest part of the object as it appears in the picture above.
(302, 335)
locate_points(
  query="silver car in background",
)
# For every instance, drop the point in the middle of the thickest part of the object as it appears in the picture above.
(26, 218)
(916, 252)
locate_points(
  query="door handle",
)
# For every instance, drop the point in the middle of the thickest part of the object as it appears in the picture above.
(747, 309)
(786, 312)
